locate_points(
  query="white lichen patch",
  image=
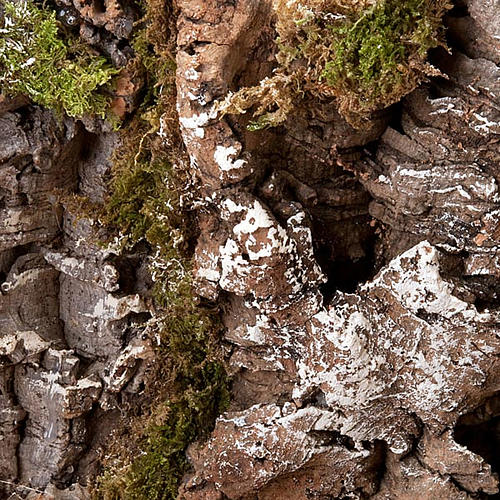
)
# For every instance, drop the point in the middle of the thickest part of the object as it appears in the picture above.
(191, 74)
(339, 359)
(126, 363)
(193, 125)
(267, 441)
(225, 158)
(108, 307)
(445, 105)
(257, 242)
(358, 352)
(423, 287)
(484, 125)
(462, 192)
(235, 271)
(105, 275)
(257, 334)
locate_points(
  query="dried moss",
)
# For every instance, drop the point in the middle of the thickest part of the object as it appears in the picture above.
(364, 55)
(37, 62)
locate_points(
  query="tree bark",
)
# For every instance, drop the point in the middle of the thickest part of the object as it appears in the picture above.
(358, 273)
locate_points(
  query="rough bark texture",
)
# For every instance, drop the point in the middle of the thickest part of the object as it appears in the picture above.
(72, 352)
(70, 340)
(359, 274)
(347, 381)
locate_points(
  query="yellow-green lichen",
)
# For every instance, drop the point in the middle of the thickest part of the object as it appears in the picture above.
(37, 62)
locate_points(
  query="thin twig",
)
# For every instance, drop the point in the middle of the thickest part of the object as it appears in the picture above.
(9, 483)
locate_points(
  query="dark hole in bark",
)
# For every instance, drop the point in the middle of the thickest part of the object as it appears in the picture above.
(331, 438)
(395, 122)
(88, 144)
(485, 289)
(436, 56)
(22, 163)
(22, 199)
(10, 256)
(344, 273)
(455, 34)
(487, 292)
(122, 45)
(458, 10)
(99, 424)
(428, 317)
(320, 399)
(479, 431)
(127, 274)
(99, 6)
(317, 398)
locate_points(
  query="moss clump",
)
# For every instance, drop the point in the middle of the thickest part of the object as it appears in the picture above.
(379, 56)
(148, 202)
(35, 61)
(189, 385)
(366, 55)
(156, 474)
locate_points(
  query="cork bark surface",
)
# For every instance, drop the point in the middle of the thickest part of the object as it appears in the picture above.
(358, 275)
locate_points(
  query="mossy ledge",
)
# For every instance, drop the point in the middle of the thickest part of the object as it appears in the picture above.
(35, 60)
(365, 55)
(147, 202)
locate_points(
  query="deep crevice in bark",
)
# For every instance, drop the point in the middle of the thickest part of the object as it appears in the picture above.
(479, 431)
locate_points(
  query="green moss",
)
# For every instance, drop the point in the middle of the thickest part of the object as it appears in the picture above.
(34, 60)
(156, 474)
(379, 55)
(190, 386)
(144, 205)
(364, 56)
